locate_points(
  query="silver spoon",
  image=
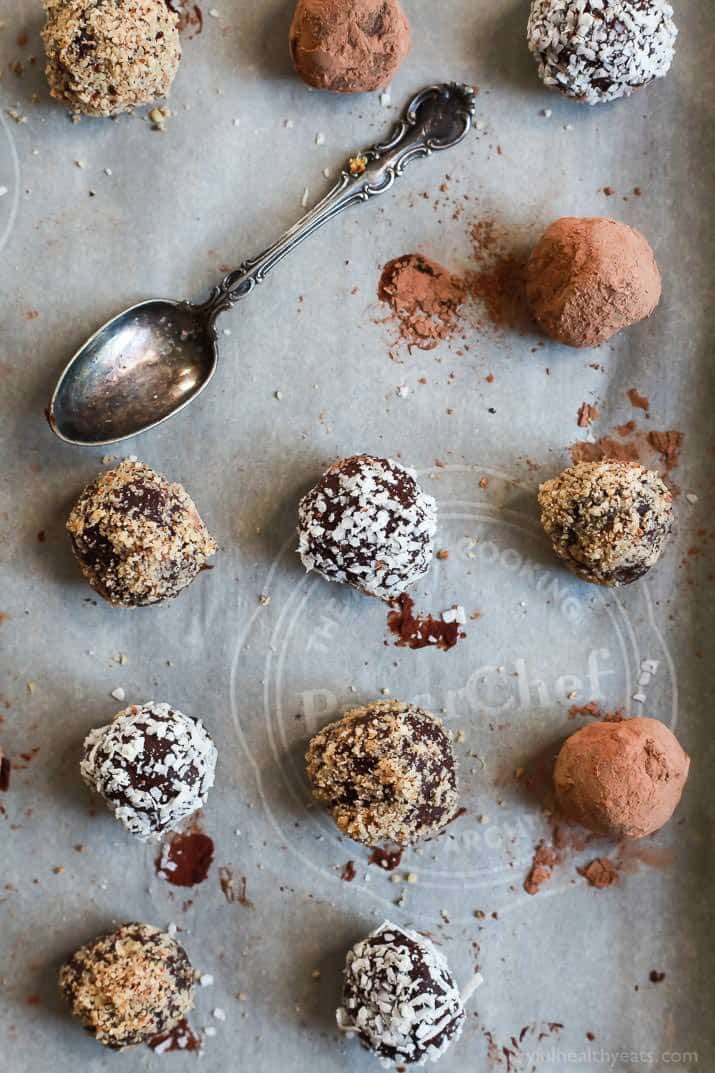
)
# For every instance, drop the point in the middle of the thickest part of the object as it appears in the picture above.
(150, 361)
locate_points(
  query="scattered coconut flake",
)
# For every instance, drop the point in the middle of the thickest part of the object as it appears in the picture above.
(305, 197)
(219, 1014)
(118, 693)
(206, 979)
(320, 138)
(3, 190)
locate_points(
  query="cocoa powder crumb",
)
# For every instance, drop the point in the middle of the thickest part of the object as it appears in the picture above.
(586, 414)
(638, 401)
(544, 860)
(599, 873)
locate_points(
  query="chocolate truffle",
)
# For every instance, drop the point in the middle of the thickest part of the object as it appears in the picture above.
(607, 521)
(129, 986)
(152, 765)
(599, 50)
(349, 46)
(386, 772)
(138, 539)
(108, 56)
(368, 523)
(621, 779)
(588, 278)
(399, 997)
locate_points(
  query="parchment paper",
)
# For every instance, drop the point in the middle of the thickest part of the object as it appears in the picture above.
(169, 210)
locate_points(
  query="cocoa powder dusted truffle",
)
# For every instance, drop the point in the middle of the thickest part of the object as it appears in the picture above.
(129, 986)
(621, 779)
(599, 50)
(109, 56)
(348, 46)
(367, 523)
(152, 765)
(138, 539)
(386, 772)
(400, 998)
(588, 278)
(607, 521)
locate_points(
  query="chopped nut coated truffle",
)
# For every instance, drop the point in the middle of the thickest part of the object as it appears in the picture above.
(109, 56)
(129, 986)
(607, 521)
(138, 539)
(386, 772)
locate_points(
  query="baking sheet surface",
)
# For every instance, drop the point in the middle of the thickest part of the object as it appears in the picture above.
(100, 214)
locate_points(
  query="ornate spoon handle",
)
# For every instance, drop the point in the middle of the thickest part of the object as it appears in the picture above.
(437, 118)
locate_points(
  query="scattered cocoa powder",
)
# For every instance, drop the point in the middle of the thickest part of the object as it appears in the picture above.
(656, 977)
(498, 281)
(591, 709)
(604, 447)
(348, 872)
(424, 297)
(421, 631)
(668, 445)
(599, 872)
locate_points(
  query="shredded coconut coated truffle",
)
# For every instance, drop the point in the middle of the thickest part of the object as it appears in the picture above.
(400, 997)
(152, 765)
(367, 523)
(599, 50)
(608, 521)
(138, 539)
(386, 772)
(129, 986)
(109, 56)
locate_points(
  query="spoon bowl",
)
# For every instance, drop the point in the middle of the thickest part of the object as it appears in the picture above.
(150, 361)
(139, 368)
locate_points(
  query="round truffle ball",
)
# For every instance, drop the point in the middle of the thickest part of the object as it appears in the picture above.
(599, 50)
(386, 772)
(622, 779)
(588, 278)
(367, 523)
(349, 46)
(129, 986)
(109, 56)
(607, 521)
(138, 539)
(152, 765)
(399, 997)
